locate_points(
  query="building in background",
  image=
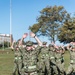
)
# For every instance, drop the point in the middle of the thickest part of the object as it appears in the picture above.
(6, 38)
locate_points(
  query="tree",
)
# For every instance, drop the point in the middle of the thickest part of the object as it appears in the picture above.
(49, 21)
(35, 28)
(67, 31)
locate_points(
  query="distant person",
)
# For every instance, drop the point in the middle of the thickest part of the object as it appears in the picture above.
(17, 59)
(43, 60)
(53, 64)
(59, 61)
(71, 68)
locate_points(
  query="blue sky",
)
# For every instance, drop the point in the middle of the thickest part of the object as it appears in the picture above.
(24, 14)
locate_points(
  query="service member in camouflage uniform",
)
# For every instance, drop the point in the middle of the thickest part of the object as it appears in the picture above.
(58, 57)
(54, 70)
(17, 58)
(71, 68)
(30, 57)
(62, 51)
(43, 61)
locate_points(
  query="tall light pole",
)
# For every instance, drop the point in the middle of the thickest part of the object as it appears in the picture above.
(10, 17)
(10, 22)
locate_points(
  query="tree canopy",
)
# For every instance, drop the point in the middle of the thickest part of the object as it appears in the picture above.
(49, 21)
(67, 31)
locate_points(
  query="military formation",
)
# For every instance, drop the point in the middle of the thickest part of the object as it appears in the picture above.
(40, 59)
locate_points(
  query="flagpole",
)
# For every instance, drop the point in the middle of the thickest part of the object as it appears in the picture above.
(10, 18)
(10, 23)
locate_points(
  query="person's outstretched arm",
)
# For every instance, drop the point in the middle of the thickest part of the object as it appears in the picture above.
(23, 37)
(36, 38)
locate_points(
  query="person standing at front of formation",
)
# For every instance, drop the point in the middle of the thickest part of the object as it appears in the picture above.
(30, 56)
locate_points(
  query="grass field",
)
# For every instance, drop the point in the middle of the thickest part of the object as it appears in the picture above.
(7, 57)
(6, 62)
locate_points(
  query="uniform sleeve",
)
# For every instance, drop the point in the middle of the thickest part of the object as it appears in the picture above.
(38, 49)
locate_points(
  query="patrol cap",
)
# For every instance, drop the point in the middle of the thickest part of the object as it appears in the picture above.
(50, 45)
(60, 48)
(29, 43)
(18, 41)
(44, 43)
(57, 49)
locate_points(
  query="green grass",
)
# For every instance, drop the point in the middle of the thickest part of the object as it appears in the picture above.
(7, 57)
(6, 62)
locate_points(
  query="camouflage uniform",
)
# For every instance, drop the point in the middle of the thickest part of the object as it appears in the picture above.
(43, 61)
(30, 60)
(52, 60)
(17, 60)
(59, 58)
(71, 68)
